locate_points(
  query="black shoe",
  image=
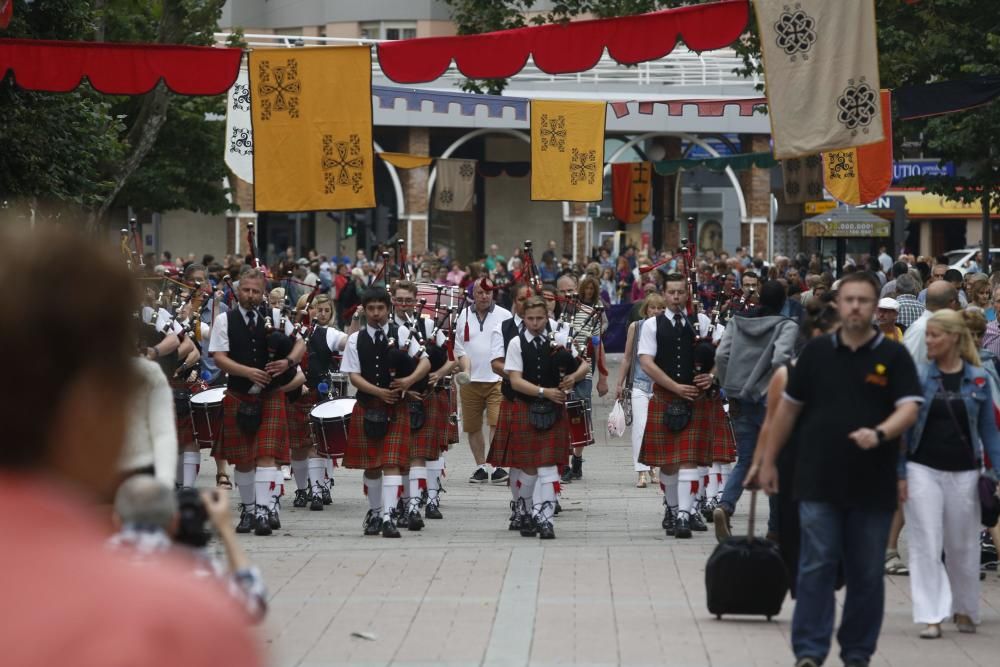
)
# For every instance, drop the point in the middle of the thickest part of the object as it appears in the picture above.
(274, 520)
(682, 529)
(546, 531)
(515, 517)
(327, 500)
(389, 529)
(577, 467)
(432, 511)
(669, 522)
(697, 523)
(856, 663)
(499, 476)
(301, 498)
(246, 523)
(316, 502)
(708, 510)
(415, 522)
(262, 523)
(479, 477)
(557, 510)
(401, 516)
(528, 526)
(373, 523)
(567, 475)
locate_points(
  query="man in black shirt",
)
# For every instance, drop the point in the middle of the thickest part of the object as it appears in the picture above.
(854, 393)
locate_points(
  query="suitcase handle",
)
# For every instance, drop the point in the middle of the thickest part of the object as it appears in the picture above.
(753, 515)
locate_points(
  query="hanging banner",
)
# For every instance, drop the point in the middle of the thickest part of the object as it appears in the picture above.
(934, 99)
(631, 190)
(455, 188)
(312, 128)
(803, 179)
(567, 150)
(405, 160)
(821, 64)
(239, 135)
(860, 175)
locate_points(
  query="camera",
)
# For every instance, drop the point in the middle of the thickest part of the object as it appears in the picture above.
(192, 525)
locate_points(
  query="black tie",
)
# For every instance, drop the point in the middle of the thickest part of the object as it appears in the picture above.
(677, 320)
(379, 336)
(251, 321)
(538, 343)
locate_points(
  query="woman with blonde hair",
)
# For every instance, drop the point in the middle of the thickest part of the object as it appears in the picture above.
(939, 475)
(642, 385)
(978, 291)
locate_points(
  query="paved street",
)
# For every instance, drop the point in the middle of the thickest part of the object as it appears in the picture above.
(610, 590)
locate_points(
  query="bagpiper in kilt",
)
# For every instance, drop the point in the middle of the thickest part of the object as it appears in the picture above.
(259, 363)
(382, 362)
(681, 425)
(540, 373)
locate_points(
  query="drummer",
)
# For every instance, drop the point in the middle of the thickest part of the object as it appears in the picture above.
(380, 359)
(430, 439)
(313, 471)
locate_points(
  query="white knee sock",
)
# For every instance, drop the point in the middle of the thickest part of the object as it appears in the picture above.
(192, 463)
(547, 497)
(687, 489)
(418, 484)
(300, 470)
(392, 486)
(434, 469)
(669, 485)
(713, 481)
(512, 479)
(404, 488)
(245, 484)
(317, 475)
(278, 490)
(329, 471)
(264, 484)
(373, 490)
(702, 484)
(526, 489)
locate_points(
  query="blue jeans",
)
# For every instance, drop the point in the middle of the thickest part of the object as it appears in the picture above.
(831, 536)
(746, 428)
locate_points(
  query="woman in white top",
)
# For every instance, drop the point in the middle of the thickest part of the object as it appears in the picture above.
(151, 440)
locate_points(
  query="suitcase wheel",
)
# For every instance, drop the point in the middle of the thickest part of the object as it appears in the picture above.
(718, 617)
(769, 619)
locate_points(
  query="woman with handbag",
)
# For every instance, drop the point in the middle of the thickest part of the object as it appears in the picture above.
(939, 477)
(640, 385)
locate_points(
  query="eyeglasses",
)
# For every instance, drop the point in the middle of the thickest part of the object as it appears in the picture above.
(406, 302)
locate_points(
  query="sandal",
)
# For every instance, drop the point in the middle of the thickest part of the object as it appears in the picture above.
(894, 565)
(222, 481)
(643, 480)
(932, 631)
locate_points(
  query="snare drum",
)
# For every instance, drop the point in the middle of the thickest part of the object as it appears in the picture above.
(329, 422)
(206, 415)
(579, 425)
(339, 384)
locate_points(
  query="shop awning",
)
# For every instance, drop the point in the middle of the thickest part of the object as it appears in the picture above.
(846, 222)
(923, 205)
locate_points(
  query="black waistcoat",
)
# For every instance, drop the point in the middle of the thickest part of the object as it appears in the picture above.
(675, 349)
(509, 329)
(380, 363)
(319, 359)
(539, 365)
(244, 348)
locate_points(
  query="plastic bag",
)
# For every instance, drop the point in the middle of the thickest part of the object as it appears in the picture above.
(616, 421)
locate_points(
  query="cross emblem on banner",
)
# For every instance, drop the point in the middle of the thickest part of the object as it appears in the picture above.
(279, 88)
(639, 173)
(343, 163)
(639, 200)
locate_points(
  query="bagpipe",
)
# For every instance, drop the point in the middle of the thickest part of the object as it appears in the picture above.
(131, 246)
(704, 347)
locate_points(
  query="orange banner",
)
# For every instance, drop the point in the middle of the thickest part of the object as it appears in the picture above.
(860, 175)
(631, 190)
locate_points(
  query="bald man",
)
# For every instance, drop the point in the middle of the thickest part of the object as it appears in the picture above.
(940, 295)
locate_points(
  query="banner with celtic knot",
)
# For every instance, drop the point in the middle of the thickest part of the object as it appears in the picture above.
(311, 111)
(239, 137)
(567, 150)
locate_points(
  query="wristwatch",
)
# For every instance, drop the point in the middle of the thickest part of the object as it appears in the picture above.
(541, 392)
(881, 435)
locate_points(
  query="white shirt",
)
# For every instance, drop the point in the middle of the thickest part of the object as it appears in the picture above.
(151, 437)
(336, 339)
(647, 339)
(351, 362)
(479, 346)
(496, 338)
(915, 338)
(219, 341)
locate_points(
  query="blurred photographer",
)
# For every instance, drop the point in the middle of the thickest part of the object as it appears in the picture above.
(152, 520)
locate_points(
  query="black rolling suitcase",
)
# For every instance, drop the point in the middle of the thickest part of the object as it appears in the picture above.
(745, 575)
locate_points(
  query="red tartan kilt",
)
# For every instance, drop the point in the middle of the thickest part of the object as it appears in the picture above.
(299, 433)
(432, 438)
(271, 438)
(497, 455)
(723, 440)
(391, 451)
(521, 445)
(693, 445)
(185, 429)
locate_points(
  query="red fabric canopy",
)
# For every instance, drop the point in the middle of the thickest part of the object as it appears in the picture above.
(564, 48)
(119, 69)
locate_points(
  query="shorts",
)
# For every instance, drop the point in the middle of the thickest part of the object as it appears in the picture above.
(477, 397)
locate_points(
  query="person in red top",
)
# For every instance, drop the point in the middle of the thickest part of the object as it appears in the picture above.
(70, 598)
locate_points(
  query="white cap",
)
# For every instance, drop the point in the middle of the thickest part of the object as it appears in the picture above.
(888, 304)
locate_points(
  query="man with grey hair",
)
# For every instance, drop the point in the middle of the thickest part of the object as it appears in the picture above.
(910, 308)
(940, 295)
(153, 522)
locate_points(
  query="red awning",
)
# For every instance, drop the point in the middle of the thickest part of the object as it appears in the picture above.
(119, 69)
(562, 48)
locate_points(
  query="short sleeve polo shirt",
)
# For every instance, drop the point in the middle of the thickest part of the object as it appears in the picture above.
(841, 390)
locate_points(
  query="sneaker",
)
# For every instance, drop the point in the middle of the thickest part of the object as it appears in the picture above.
(246, 523)
(697, 523)
(286, 472)
(499, 476)
(301, 498)
(723, 529)
(262, 523)
(432, 511)
(546, 531)
(567, 475)
(389, 529)
(682, 527)
(479, 477)
(577, 467)
(414, 521)
(372, 523)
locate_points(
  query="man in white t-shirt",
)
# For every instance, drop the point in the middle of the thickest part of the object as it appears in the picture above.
(474, 331)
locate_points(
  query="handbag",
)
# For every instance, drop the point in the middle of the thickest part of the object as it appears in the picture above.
(542, 415)
(678, 415)
(376, 422)
(417, 415)
(249, 417)
(989, 503)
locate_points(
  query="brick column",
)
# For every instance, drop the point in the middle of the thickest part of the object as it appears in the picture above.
(756, 184)
(417, 142)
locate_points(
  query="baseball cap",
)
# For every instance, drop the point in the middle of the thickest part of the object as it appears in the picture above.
(888, 304)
